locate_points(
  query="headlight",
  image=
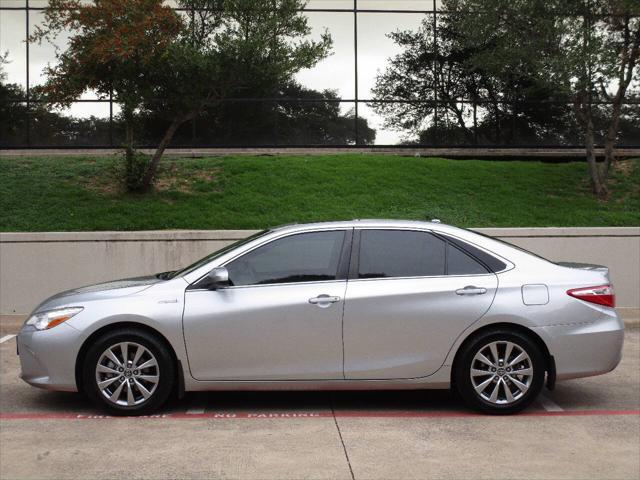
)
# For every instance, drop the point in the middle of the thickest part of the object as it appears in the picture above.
(47, 320)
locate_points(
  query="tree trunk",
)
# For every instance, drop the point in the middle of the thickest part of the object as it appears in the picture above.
(152, 169)
(597, 183)
(128, 146)
(611, 139)
(628, 59)
(626, 76)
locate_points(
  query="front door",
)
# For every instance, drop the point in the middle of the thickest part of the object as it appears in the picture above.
(412, 294)
(281, 318)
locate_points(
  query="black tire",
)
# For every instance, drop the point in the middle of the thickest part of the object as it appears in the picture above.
(464, 384)
(166, 372)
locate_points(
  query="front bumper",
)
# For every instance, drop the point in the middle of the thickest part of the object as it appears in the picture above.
(585, 349)
(47, 357)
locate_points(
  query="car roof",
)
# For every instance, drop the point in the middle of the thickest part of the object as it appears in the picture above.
(435, 225)
(366, 223)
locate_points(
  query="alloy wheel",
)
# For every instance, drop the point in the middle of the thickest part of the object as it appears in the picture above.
(127, 374)
(501, 372)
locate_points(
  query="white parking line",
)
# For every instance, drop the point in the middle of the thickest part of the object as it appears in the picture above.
(196, 410)
(549, 405)
(6, 337)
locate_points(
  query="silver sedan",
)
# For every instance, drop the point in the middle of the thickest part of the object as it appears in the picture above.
(342, 305)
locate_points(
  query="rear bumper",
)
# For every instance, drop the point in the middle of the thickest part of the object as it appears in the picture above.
(585, 349)
(47, 358)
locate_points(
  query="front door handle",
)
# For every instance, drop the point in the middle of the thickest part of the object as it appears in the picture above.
(324, 300)
(471, 290)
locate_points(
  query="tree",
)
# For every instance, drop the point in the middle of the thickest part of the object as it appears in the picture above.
(46, 127)
(598, 47)
(439, 67)
(150, 59)
(12, 113)
(231, 45)
(514, 53)
(314, 119)
(602, 64)
(114, 48)
(317, 119)
(295, 115)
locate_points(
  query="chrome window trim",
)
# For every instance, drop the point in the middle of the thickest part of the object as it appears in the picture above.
(235, 287)
(421, 277)
(354, 226)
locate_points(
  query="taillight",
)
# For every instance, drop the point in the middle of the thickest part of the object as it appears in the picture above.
(601, 295)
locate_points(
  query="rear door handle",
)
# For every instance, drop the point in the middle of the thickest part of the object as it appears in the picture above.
(471, 290)
(323, 300)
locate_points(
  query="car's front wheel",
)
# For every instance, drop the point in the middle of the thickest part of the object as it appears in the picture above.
(500, 372)
(130, 372)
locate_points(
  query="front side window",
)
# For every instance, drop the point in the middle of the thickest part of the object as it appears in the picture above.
(399, 253)
(304, 257)
(202, 262)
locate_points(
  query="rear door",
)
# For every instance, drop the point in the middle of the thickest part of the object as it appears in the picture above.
(409, 296)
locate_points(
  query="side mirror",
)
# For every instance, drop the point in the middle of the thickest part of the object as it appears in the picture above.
(218, 277)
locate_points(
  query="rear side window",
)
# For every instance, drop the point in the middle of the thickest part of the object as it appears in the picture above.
(492, 263)
(399, 253)
(460, 263)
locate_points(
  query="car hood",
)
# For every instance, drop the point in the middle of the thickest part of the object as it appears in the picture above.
(113, 289)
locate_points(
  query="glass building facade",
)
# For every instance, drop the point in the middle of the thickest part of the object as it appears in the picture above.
(309, 116)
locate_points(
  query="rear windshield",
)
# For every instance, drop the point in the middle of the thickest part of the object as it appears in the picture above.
(510, 245)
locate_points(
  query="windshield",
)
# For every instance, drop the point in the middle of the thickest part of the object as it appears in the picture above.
(216, 254)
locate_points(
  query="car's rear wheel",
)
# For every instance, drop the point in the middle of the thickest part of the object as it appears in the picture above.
(500, 372)
(129, 372)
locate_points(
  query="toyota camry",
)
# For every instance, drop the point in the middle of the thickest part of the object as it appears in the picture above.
(344, 305)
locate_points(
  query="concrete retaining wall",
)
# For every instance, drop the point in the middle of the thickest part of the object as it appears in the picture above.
(36, 265)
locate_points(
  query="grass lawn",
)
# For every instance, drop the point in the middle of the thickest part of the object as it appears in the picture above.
(82, 193)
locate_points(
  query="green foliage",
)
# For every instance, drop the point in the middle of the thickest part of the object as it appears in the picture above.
(234, 48)
(229, 47)
(114, 46)
(562, 46)
(525, 62)
(151, 60)
(493, 52)
(256, 123)
(316, 121)
(81, 193)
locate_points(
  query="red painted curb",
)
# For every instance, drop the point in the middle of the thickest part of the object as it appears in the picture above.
(291, 415)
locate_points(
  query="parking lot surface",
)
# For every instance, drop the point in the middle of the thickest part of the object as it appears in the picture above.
(587, 428)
